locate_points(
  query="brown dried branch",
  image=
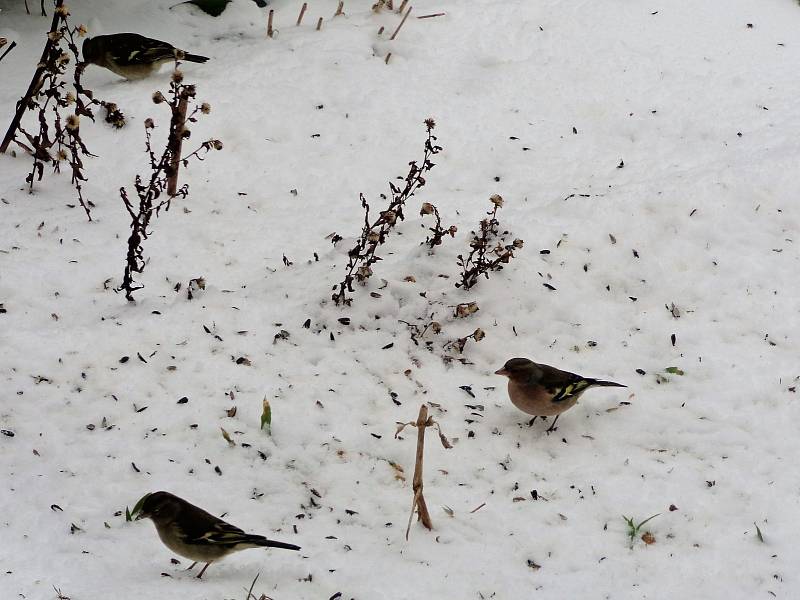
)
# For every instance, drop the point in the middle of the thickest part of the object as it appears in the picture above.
(374, 233)
(163, 177)
(437, 230)
(9, 49)
(458, 344)
(487, 249)
(35, 84)
(405, 16)
(58, 138)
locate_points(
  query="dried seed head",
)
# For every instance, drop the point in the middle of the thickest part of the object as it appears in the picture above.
(70, 98)
(54, 36)
(158, 98)
(63, 10)
(430, 123)
(478, 334)
(436, 327)
(149, 124)
(177, 76)
(497, 200)
(518, 243)
(452, 230)
(81, 30)
(61, 155)
(427, 208)
(62, 59)
(186, 134)
(363, 273)
(466, 308)
(389, 216)
(648, 538)
(73, 122)
(373, 237)
(217, 144)
(205, 108)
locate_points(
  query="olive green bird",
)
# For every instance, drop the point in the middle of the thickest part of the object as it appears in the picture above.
(191, 532)
(131, 55)
(544, 391)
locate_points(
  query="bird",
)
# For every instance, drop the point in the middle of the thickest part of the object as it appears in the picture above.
(131, 55)
(193, 533)
(544, 391)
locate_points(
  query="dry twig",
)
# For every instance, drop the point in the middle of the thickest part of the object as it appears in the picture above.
(405, 16)
(487, 250)
(164, 173)
(374, 233)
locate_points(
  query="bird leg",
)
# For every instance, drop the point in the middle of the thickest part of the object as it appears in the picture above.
(553, 426)
(191, 566)
(203, 570)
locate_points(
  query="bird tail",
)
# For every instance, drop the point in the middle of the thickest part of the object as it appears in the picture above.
(601, 383)
(260, 540)
(195, 58)
(284, 545)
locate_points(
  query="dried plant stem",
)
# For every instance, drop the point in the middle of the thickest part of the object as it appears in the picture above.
(388, 56)
(319, 24)
(9, 49)
(33, 88)
(418, 501)
(269, 23)
(175, 144)
(339, 9)
(405, 16)
(432, 16)
(302, 12)
(374, 232)
(402, 6)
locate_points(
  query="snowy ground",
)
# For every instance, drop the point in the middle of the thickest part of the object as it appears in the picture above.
(702, 110)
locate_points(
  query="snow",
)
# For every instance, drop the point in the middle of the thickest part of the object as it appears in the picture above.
(663, 87)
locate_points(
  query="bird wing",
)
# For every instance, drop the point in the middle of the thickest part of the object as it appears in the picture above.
(133, 49)
(562, 384)
(225, 534)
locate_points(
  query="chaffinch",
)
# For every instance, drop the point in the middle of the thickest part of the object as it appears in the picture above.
(131, 55)
(193, 533)
(544, 391)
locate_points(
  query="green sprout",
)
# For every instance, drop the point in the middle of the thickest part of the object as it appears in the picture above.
(633, 528)
(130, 515)
(266, 416)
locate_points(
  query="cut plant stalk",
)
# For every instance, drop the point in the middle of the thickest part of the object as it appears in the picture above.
(418, 500)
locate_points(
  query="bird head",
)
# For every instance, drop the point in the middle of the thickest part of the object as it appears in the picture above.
(161, 507)
(515, 366)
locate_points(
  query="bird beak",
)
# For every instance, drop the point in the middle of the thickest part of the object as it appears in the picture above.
(141, 516)
(502, 371)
